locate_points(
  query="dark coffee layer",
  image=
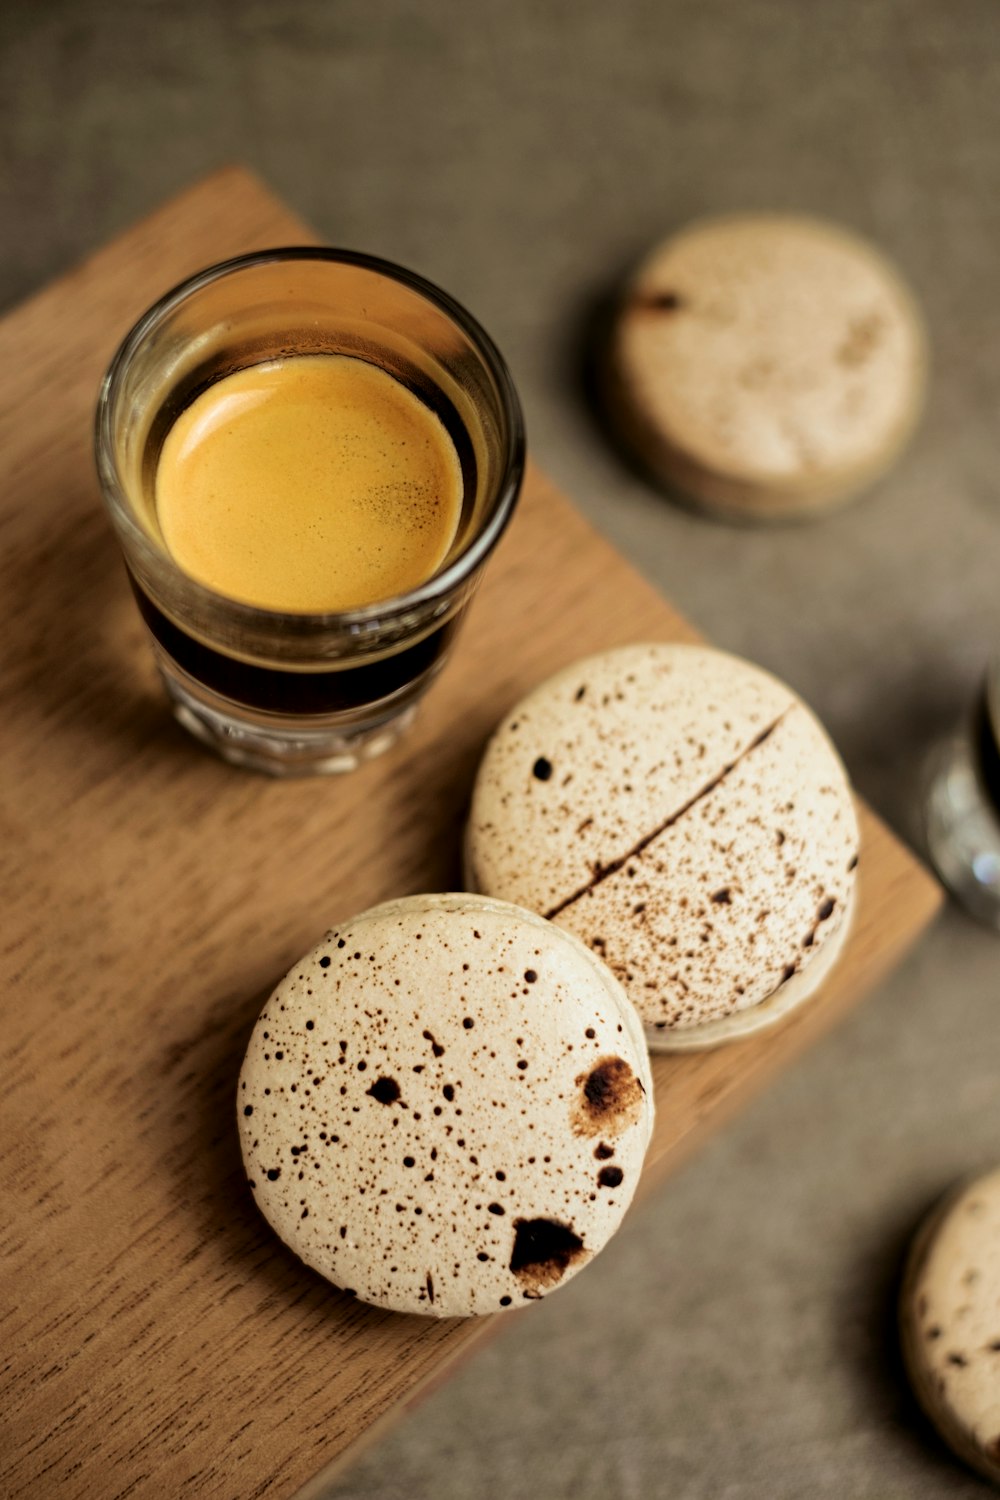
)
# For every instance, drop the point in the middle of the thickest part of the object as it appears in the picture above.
(284, 692)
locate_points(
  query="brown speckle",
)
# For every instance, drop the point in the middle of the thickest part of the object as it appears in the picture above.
(660, 302)
(436, 1047)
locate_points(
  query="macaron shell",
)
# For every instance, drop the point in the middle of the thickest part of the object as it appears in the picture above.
(444, 1107)
(695, 828)
(950, 1321)
(768, 363)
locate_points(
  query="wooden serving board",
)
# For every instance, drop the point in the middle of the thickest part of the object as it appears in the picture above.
(156, 1338)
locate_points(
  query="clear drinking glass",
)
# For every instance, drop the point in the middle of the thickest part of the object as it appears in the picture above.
(292, 693)
(962, 807)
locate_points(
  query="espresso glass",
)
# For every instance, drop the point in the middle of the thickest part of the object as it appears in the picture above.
(284, 692)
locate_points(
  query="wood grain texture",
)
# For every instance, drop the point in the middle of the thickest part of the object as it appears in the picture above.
(156, 1339)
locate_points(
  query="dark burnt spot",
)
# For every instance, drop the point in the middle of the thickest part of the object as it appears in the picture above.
(787, 973)
(852, 864)
(603, 1151)
(958, 1359)
(385, 1090)
(590, 1033)
(826, 909)
(273, 1174)
(530, 976)
(324, 962)
(497, 1208)
(481, 1255)
(600, 1086)
(610, 1098)
(723, 897)
(579, 693)
(610, 1177)
(248, 1109)
(449, 1092)
(543, 1251)
(506, 1301)
(430, 1287)
(542, 769)
(780, 838)
(468, 1023)
(809, 939)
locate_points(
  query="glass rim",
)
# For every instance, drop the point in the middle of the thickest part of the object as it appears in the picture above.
(441, 584)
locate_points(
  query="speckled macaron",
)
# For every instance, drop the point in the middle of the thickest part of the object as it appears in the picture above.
(950, 1320)
(445, 1106)
(767, 365)
(686, 816)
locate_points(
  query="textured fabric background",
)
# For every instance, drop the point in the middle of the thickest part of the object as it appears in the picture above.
(735, 1341)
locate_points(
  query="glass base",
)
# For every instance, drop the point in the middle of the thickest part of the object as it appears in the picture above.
(285, 746)
(962, 831)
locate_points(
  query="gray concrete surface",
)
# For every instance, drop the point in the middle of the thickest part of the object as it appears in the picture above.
(735, 1341)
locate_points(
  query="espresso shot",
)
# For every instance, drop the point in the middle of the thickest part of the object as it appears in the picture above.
(311, 484)
(306, 492)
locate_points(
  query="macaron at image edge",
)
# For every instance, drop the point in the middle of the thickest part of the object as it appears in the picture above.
(445, 1105)
(765, 366)
(949, 1319)
(693, 824)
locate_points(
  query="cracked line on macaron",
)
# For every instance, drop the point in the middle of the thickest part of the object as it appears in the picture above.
(620, 861)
